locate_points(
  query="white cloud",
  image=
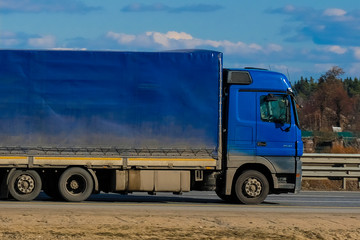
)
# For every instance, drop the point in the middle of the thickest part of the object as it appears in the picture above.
(176, 40)
(47, 41)
(121, 37)
(337, 49)
(172, 39)
(161, 39)
(178, 36)
(275, 48)
(334, 12)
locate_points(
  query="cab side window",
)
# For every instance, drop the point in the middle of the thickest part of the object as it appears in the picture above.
(275, 108)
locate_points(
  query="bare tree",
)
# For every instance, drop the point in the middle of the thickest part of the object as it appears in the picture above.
(330, 104)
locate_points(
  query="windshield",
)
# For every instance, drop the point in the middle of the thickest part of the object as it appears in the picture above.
(275, 108)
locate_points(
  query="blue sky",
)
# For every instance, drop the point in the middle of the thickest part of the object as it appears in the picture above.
(298, 38)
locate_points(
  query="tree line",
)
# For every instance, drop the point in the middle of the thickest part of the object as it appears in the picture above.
(329, 102)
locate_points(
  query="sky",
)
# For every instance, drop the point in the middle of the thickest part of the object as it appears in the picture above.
(298, 38)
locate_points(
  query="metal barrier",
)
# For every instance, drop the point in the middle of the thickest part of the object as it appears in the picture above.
(341, 166)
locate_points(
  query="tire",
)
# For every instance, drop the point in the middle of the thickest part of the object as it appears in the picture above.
(24, 185)
(226, 198)
(75, 184)
(251, 187)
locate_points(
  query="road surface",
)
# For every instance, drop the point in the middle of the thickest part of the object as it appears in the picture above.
(330, 202)
(194, 215)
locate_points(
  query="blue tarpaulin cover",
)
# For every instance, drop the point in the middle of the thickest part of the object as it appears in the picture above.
(109, 99)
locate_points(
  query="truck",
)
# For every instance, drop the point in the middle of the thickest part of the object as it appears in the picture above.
(79, 122)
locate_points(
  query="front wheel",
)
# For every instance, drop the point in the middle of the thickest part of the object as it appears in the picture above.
(251, 187)
(24, 185)
(75, 184)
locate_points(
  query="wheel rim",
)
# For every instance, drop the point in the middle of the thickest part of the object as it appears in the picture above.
(252, 187)
(76, 184)
(25, 184)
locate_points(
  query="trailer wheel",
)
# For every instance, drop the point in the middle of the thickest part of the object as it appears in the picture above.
(251, 187)
(24, 185)
(75, 184)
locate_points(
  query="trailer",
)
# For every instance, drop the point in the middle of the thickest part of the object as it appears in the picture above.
(74, 123)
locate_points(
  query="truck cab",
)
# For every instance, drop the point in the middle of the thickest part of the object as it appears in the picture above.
(262, 136)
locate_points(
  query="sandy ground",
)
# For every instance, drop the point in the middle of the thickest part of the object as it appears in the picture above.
(166, 224)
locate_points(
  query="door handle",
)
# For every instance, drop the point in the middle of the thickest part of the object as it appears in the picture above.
(261, 144)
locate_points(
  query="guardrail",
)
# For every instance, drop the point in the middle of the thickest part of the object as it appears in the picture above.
(342, 166)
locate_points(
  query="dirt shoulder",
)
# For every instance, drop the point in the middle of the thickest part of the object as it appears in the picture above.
(324, 184)
(165, 224)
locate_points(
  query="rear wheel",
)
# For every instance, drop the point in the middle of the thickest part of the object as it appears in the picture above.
(24, 185)
(75, 184)
(251, 187)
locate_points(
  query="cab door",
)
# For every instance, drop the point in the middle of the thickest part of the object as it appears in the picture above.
(276, 129)
(241, 122)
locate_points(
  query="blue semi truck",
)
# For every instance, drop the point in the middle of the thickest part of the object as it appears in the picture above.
(74, 123)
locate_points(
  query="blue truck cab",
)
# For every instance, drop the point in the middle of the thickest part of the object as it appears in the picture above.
(263, 138)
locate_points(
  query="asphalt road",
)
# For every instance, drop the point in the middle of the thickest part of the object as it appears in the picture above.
(321, 202)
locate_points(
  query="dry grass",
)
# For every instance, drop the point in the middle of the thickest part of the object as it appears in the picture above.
(342, 149)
